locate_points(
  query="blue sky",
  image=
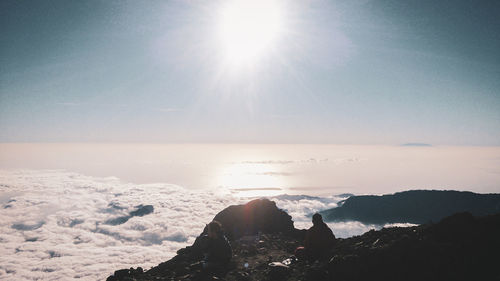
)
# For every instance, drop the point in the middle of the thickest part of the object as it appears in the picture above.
(360, 72)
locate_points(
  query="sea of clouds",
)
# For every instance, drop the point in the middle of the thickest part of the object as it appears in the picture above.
(59, 225)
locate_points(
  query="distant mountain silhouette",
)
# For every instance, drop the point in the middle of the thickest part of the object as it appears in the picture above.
(141, 210)
(416, 144)
(414, 206)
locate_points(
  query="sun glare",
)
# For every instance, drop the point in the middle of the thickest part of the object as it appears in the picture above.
(249, 28)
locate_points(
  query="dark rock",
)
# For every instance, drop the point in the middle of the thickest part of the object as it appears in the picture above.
(122, 273)
(460, 247)
(260, 215)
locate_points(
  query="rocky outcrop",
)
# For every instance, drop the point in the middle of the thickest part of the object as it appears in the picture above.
(414, 206)
(260, 215)
(460, 247)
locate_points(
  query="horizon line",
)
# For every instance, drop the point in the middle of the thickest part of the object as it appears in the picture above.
(409, 144)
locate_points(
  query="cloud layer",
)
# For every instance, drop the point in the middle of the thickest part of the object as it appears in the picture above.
(58, 225)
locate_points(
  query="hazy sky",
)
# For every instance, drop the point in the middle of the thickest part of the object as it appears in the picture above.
(367, 72)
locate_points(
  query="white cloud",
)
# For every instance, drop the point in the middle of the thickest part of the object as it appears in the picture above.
(53, 223)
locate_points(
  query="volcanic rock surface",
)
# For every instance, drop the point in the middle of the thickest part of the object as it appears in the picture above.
(460, 247)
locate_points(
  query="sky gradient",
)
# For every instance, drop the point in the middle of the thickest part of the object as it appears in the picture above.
(350, 72)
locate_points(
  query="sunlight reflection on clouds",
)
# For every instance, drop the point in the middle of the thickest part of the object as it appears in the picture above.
(64, 225)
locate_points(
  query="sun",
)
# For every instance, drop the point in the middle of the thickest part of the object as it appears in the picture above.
(248, 29)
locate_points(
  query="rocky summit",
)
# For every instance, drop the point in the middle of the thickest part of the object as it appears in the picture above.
(459, 247)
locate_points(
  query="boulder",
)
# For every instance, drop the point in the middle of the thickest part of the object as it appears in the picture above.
(259, 215)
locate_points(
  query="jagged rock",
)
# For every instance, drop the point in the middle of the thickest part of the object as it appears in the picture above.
(460, 247)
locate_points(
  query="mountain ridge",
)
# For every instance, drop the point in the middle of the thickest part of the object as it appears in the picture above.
(412, 206)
